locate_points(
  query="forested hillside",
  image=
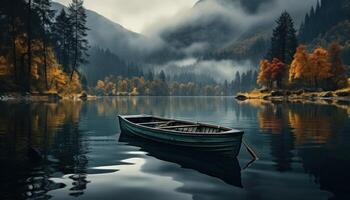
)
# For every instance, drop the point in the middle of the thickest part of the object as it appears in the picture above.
(39, 50)
(328, 22)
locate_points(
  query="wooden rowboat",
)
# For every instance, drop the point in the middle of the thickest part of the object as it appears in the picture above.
(204, 137)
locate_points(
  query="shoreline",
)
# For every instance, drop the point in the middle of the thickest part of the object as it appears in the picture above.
(45, 97)
(299, 95)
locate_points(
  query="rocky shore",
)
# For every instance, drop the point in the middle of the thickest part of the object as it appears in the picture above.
(15, 96)
(302, 94)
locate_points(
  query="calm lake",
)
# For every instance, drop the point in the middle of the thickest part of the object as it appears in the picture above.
(304, 151)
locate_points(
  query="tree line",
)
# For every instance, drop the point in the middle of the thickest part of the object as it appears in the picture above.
(323, 17)
(160, 84)
(41, 50)
(290, 65)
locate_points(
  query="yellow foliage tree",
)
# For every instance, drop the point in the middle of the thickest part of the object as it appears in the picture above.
(4, 69)
(300, 67)
(314, 69)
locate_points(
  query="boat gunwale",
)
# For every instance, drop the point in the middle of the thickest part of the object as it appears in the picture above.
(229, 131)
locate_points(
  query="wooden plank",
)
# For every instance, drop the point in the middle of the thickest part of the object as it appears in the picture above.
(154, 123)
(182, 126)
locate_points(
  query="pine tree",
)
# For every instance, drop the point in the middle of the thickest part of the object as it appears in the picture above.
(28, 81)
(162, 76)
(46, 14)
(62, 33)
(150, 75)
(327, 14)
(284, 41)
(237, 82)
(79, 42)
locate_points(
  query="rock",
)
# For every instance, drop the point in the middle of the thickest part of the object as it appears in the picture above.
(52, 97)
(308, 90)
(241, 97)
(277, 93)
(313, 97)
(267, 97)
(264, 90)
(288, 93)
(343, 94)
(327, 94)
(83, 96)
(298, 92)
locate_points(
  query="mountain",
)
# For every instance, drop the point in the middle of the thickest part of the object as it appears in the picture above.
(328, 22)
(230, 29)
(103, 63)
(106, 34)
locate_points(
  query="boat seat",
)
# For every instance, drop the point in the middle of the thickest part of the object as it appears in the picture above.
(154, 123)
(180, 126)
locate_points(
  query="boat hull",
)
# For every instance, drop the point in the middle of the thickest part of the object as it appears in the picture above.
(229, 143)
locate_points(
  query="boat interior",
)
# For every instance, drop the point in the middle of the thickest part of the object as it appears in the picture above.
(176, 125)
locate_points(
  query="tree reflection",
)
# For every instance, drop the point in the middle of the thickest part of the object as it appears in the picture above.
(317, 133)
(37, 141)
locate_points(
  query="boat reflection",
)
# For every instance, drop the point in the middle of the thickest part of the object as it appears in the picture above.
(216, 165)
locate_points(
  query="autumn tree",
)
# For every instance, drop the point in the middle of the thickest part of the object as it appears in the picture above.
(278, 72)
(300, 68)
(264, 76)
(320, 67)
(338, 69)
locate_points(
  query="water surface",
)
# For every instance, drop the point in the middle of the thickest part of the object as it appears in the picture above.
(74, 150)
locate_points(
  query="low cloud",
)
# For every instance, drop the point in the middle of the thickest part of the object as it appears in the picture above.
(219, 70)
(239, 16)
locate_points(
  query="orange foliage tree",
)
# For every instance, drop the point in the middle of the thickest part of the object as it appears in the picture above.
(271, 73)
(320, 67)
(338, 69)
(264, 76)
(278, 72)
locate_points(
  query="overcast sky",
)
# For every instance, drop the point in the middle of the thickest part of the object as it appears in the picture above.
(135, 15)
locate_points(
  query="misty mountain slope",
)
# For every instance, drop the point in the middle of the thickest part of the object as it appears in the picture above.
(103, 63)
(250, 6)
(230, 28)
(253, 48)
(109, 35)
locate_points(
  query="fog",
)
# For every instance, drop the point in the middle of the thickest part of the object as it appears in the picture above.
(242, 16)
(219, 70)
(235, 20)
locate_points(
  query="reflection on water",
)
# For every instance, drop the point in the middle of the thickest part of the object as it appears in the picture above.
(70, 149)
(212, 164)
